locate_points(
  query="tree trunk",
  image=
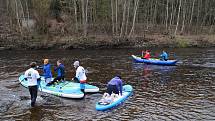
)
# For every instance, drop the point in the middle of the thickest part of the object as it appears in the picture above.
(76, 17)
(191, 17)
(123, 18)
(134, 18)
(128, 16)
(17, 17)
(116, 16)
(167, 14)
(179, 10)
(112, 17)
(184, 15)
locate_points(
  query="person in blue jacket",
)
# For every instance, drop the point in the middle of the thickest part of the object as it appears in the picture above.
(164, 56)
(115, 85)
(47, 71)
(60, 69)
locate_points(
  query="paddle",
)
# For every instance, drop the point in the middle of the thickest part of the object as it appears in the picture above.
(142, 53)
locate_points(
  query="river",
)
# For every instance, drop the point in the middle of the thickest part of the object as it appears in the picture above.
(182, 92)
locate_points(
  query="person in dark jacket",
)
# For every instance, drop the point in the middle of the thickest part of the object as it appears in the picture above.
(60, 69)
(47, 71)
(115, 85)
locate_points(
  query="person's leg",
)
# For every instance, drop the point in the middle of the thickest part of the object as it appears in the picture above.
(115, 89)
(109, 89)
(34, 95)
(55, 80)
(48, 80)
(30, 91)
(76, 80)
(82, 86)
(62, 79)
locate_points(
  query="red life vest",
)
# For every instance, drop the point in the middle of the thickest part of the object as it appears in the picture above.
(147, 55)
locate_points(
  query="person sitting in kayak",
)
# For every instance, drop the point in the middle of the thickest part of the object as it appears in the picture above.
(147, 55)
(80, 75)
(164, 56)
(115, 85)
(47, 71)
(60, 73)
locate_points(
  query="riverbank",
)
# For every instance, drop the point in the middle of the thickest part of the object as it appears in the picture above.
(100, 42)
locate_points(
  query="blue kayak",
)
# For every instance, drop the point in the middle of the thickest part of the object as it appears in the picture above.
(127, 90)
(154, 61)
(63, 89)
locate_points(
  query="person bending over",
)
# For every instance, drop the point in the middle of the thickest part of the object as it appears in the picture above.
(115, 85)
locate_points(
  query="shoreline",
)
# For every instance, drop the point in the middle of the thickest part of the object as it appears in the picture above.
(106, 42)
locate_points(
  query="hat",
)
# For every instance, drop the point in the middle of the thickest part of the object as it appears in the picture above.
(76, 63)
(117, 75)
(33, 64)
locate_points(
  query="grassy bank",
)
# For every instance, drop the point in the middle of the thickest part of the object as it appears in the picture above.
(98, 42)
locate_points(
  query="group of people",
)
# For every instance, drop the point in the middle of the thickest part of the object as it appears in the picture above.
(34, 79)
(163, 56)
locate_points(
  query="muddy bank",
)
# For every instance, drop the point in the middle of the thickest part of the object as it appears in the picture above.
(67, 42)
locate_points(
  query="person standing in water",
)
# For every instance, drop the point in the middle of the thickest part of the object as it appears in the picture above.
(33, 78)
(60, 69)
(80, 75)
(47, 71)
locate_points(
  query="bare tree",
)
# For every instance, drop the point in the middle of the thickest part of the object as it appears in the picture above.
(134, 17)
(123, 18)
(179, 10)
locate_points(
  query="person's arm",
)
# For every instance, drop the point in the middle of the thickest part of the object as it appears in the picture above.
(40, 67)
(77, 74)
(120, 87)
(38, 78)
(56, 68)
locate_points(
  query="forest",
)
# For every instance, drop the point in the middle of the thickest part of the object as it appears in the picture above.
(111, 20)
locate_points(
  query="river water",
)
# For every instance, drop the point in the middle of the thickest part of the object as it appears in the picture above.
(182, 92)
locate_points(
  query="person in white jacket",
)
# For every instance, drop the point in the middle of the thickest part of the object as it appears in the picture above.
(80, 75)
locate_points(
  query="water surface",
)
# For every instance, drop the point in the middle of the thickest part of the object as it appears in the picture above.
(182, 92)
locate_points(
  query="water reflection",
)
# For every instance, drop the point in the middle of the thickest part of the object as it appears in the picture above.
(148, 71)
